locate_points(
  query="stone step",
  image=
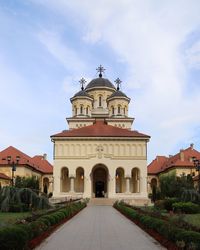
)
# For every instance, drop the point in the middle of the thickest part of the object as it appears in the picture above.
(101, 202)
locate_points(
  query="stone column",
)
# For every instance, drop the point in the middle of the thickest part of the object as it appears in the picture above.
(143, 185)
(112, 186)
(127, 184)
(72, 184)
(149, 187)
(87, 186)
(138, 186)
(56, 185)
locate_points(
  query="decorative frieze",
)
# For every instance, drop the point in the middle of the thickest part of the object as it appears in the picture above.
(100, 150)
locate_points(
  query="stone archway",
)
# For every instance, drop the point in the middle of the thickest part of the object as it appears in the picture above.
(65, 180)
(154, 182)
(120, 181)
(100, 181)
(45, 185)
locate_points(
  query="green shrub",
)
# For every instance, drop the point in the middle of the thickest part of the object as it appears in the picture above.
(37, 228)
(160, 204)
(56, 218)
(65, 212)
(13, 238)
(26, 228)
(17, 236)
(165, 228)
(189, 237)
(50, 218)
(45, 221)
(169, 202)
(186, 207)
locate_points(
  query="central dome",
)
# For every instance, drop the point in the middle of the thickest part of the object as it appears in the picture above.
(100, 83)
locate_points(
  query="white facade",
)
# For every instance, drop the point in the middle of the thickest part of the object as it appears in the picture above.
(100, 156)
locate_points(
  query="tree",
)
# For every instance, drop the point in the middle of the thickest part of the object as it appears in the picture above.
(173, 186)
(27, 182)
(14, 199)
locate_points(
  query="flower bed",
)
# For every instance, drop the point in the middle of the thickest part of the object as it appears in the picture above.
(165, 232)
(23, 236)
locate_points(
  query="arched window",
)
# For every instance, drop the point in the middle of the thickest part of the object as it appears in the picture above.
(100, 101)
(135, 180)
(113, 110)
(81, 109)
(65, 180)
(119, 109)
(124, 110)
(87, 111)
(79, 180)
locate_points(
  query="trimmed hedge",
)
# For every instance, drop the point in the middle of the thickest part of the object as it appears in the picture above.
(13, 238)
(17, 237)
(164, 228)
(166, 204)
(186, 207)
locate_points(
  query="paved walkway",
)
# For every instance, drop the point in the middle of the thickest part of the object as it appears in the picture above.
(99, 228)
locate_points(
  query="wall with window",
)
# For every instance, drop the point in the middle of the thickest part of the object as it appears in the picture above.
(82, 107)
(118, 107)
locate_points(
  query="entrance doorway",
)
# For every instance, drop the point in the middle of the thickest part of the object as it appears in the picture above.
(99, 189)
(100, 180)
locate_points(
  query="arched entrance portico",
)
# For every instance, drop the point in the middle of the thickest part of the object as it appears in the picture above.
(100, 181)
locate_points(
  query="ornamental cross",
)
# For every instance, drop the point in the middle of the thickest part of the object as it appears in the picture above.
(82, 83)
(100, 69)
(118, 82)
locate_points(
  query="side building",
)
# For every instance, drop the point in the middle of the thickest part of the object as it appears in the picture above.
(180, 163)
(99, 155)
(14, 162)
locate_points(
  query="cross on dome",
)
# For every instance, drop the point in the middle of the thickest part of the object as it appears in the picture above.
(82, 83)
(100, 69)
(118, 83)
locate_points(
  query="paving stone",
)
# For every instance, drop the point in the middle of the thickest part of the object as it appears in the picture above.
(99, 228)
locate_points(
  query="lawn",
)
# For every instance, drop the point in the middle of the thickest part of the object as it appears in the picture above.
(11, 218)
(193, 219)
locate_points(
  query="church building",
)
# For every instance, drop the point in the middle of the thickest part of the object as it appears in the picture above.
(100, 155)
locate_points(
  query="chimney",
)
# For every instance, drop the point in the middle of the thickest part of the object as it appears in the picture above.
(181, 155)
(191, 145)
(44, 156)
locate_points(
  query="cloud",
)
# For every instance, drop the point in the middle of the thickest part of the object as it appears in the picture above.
(193, 56)
(147, 37)
(59, 49)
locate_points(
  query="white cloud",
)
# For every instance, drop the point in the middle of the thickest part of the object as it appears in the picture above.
(193, 56)
(59, 49)
(147, 36)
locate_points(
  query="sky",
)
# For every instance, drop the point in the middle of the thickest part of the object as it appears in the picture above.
(47, 46)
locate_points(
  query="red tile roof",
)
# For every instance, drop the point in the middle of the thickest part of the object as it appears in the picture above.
(100, 129)
(5, 177)
(156, 165)
(162, 163)
(43, 163)
(43, 167)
